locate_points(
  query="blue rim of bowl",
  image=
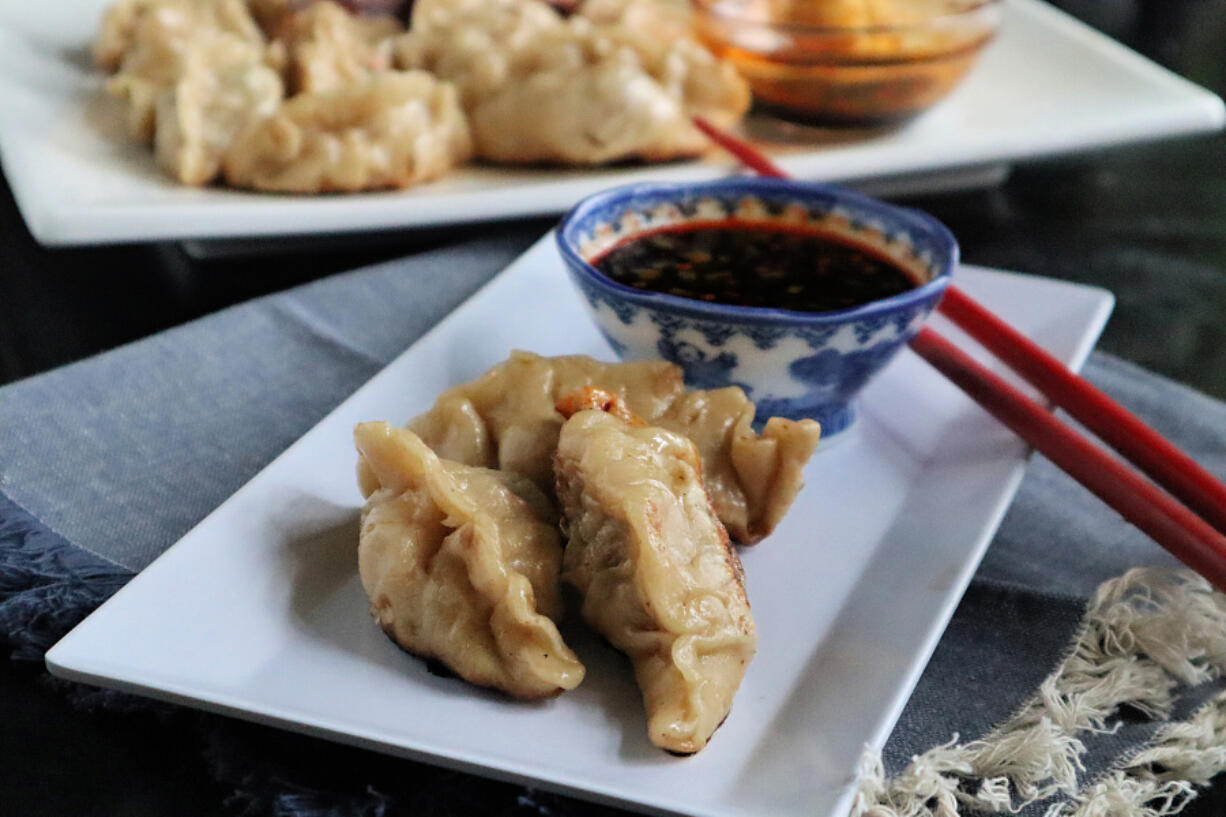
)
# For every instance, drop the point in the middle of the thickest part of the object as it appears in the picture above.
(762, 314)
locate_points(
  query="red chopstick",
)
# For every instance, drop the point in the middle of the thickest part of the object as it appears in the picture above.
(744, 152)
(1189, 537)
(1114, 424)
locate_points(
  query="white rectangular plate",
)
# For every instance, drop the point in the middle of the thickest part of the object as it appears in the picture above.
(1047, 85)
(258, 612)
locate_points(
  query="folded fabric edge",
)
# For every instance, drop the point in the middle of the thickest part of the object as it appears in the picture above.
(1143, 634)
(47, 584)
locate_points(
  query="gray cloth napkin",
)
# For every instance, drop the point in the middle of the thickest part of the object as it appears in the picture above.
(120, 455)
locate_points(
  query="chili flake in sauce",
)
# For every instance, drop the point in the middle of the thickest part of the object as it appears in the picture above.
(751, 265)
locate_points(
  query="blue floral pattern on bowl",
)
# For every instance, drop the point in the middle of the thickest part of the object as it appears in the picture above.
(791, 364)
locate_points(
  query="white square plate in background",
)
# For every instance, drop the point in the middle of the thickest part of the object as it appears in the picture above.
(1049, 84)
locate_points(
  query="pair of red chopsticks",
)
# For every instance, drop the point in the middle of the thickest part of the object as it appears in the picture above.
(1198, 541)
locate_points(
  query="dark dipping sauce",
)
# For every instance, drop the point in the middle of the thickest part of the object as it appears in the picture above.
(750, 265)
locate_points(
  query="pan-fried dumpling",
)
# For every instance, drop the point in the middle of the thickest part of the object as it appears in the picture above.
(153, 41)
(393, 129)
(330, 48)
(507, 419)
(657, 575)
(118, 30)
(538, 87)
(461, 564)
(125, 27)
(752, 478)
(223, 85)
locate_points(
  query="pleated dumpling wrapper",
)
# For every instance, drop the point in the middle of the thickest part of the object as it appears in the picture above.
(752, 478)
(539, 85)
(655, 569)
(507, 419)
(462, 565)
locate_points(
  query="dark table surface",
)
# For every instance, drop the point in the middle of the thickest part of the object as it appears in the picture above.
(1147, 222)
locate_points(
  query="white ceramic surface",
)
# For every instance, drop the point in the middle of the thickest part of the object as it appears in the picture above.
(1047, 85)
(258, 612)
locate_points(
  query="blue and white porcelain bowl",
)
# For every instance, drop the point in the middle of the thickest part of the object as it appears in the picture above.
(790, 364)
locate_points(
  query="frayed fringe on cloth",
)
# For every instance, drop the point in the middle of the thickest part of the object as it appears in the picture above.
(1143, 635)
(46, 584)
(1161, 778)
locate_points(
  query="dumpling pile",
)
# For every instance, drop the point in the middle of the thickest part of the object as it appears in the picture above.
(507, 419)
(278, 98)
(460, 550)
(303, 96)
(538, 87)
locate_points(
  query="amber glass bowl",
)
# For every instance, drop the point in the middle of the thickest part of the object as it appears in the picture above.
(848, 62)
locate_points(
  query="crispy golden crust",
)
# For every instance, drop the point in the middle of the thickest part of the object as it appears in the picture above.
(591, 397)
